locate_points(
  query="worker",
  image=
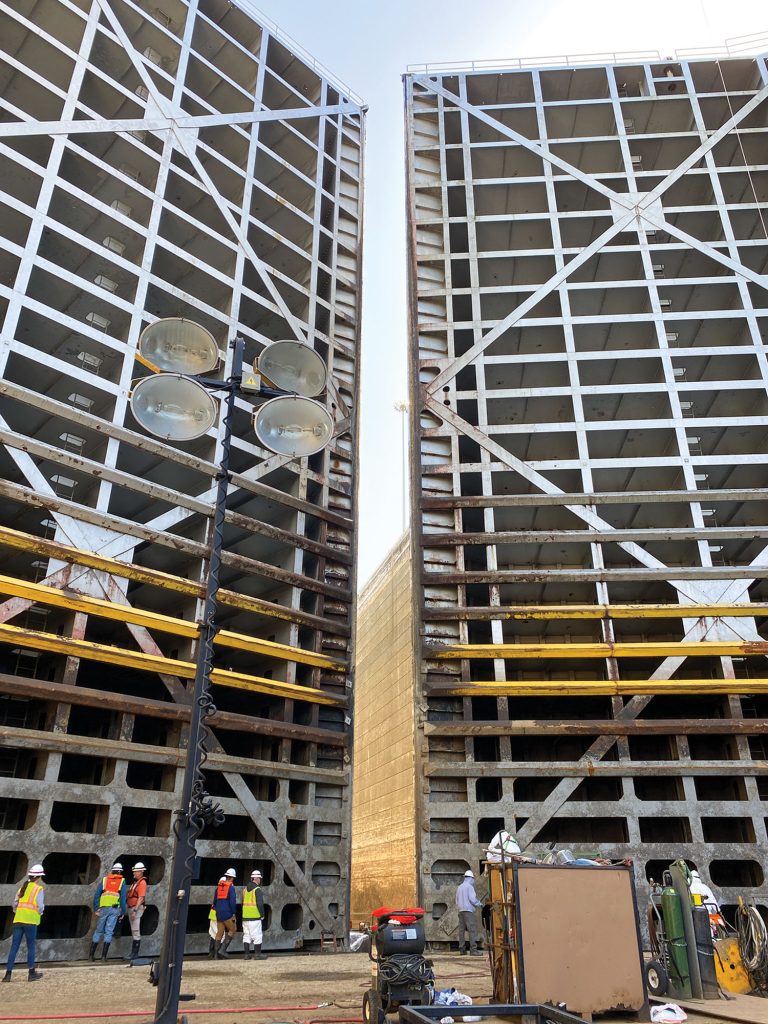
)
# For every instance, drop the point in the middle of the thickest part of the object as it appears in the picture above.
(253, 913)
(110, 907)
(707, 898)
(502, 844)
(28, 908)
(136, 901)
(225, 905)
(466, 905)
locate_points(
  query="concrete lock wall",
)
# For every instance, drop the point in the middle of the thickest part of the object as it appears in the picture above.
(145, 175)
(383, 808)
(589, 396)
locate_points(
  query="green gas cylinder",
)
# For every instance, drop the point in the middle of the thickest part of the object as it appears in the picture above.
(672, 913)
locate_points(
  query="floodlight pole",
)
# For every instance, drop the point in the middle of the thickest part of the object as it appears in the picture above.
(197, 808)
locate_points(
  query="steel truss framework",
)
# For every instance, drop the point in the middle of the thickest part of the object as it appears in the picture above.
(173, 159)
(589, 378)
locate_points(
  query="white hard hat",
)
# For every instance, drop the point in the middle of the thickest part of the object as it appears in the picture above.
(231, 873)
(469, 874)
(37, 869)
(117, 866)
(695, 874)
(138, 866)
(223, 878)
(255, 874)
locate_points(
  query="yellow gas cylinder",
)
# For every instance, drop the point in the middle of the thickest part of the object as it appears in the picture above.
(730, 971)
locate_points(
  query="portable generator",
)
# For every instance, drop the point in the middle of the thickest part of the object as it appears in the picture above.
(400, 976)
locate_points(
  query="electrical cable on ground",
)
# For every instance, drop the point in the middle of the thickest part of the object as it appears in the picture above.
(196, 1010)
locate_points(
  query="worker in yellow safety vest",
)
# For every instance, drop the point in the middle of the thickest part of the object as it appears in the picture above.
(109, 905)
(28, 909)
(253, 914)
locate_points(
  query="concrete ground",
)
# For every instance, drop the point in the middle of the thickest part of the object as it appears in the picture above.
(291, 985)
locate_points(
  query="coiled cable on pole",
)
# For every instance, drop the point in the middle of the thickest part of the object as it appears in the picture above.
(752, 936)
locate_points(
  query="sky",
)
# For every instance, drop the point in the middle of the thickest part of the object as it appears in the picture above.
(369, 45)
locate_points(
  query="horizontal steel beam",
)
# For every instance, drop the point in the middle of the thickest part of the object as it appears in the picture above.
(41, 594)
(594, 769)
(707, 497)
(672, 573)
(596, 611)
(37, 739)
(153, 577)
(35, 640)
(603, 727)
(594, 536)
(630, 649)
(597, 687)
(63, 693)
(165, 452)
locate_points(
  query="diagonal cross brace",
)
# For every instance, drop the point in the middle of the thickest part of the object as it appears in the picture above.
(618, 198)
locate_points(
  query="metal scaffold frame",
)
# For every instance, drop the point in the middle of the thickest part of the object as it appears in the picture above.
(588, 256)
(158, 161)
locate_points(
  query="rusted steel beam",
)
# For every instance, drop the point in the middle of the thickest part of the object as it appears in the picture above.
(36, 739)
(594, 611)
(631, 649)
(596, 687)
(38, 641)
(39, 689)
(603, 727)
(598, 498)
(153, 577)
(250, 566)
(586, 575)
(167, 453)
(98, 471)
(42, 594)
(595, 536)
(593, 769)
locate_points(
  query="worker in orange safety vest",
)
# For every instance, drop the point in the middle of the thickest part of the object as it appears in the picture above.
(225, 906)
(110, 906)
(28, 910)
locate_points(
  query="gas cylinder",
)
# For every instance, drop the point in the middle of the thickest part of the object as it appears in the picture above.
(672, 913)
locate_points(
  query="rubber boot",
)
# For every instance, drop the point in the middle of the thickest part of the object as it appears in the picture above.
(7, 976)
(248, 952)
(105, 950)
(259, 954)
(92, 954)
(224, 946)
(211, 949)
(134, 949)
(34, 975)
(217, 954)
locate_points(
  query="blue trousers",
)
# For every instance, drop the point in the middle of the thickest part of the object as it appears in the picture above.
(19, 932)
(105, 924)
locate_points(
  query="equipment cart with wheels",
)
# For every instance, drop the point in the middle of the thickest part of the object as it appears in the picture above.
(400, 976)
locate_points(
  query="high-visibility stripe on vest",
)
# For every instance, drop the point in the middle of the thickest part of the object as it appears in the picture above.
(250, 906)
(110, 895)
(222, 890)
(27, 910)
(212, 914)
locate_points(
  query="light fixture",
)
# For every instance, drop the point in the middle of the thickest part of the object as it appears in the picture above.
(173, 407)
(177, 345)
(293, 366)
(293, 425)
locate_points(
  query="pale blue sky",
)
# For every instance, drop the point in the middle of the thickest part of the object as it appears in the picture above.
(368, 46)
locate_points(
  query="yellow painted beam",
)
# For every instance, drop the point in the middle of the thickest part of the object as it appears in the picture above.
(649, 649)
(621, 611)
(137, 573)
(602, 687)
(35, 640)
(41, 594)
